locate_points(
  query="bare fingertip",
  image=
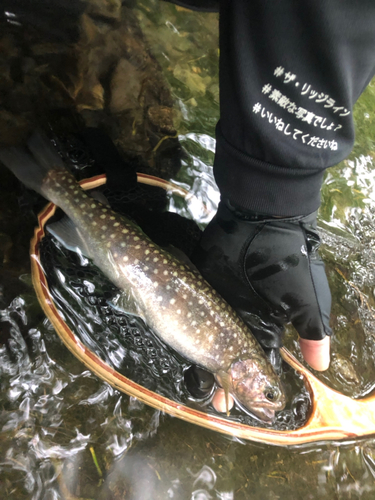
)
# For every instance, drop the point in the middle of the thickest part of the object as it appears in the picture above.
(316, 353)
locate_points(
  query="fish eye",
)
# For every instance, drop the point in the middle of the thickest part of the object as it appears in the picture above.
(271, 394)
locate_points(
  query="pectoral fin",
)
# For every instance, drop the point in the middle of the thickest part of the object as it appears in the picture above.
(67, 233)
(225, 380)
(125, 302)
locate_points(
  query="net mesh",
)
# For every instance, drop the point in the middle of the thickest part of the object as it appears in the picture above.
(83, 294)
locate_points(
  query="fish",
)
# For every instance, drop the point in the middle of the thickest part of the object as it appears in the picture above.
(172, 299)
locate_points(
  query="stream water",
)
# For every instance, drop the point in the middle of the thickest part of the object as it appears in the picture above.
(65, 434)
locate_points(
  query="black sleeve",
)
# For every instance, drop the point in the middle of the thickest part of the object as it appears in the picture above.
(290, 73)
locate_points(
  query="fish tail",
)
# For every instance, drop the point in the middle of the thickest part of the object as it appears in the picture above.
(32, 163)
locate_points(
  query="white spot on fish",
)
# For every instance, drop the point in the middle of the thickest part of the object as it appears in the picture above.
(102, 216)
(103, 236)
(208, 323)
(231, 348)
(123, 244)
(147, 252)
(125, 231)
(116, 223)
(104, 210)
(94, 223)
(172, 301)
(91, 215)
(189, 315)
(104, 228)
(160, 298)
(178, 311)
(168, 287)
(112, 217)
(92, 205)
(210, 337)
(156, 271)
(136, 261)
(193, 323)
(82, 205)
(138, 247)
(165, 273)
(175, 274)
(125, 259)
(155, 259)
(165, 261)
(136, 238)
(113, 236)
(156, 284)
(200, 301)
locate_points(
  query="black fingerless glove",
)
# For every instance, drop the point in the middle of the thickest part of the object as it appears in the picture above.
(269, 270)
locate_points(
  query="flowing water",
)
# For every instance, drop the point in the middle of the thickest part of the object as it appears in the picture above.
(67, 435)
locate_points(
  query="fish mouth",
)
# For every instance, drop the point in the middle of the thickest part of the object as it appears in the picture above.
(265, 414)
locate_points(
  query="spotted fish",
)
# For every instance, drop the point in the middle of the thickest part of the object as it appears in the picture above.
(174, 300)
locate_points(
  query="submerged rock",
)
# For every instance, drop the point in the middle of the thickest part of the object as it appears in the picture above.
(344, 370)
(106, 77)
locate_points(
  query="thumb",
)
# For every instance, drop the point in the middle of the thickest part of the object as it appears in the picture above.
(316, 352)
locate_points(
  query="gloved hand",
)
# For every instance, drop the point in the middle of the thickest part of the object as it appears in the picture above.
(270, 271)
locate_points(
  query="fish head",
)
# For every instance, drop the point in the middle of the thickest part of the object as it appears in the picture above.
(255, 385)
